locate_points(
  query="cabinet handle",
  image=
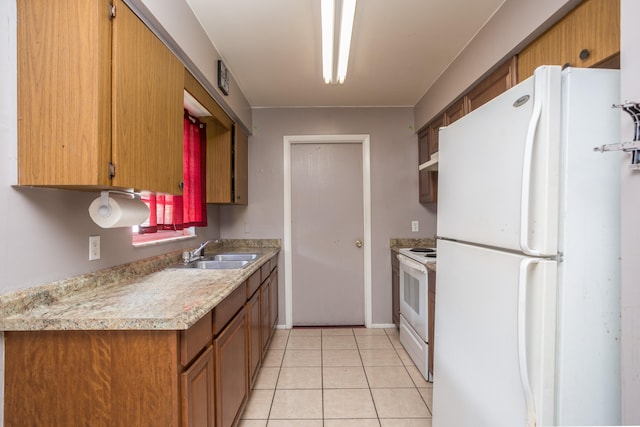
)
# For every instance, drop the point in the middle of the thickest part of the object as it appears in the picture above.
(584, 54)
(181, 185)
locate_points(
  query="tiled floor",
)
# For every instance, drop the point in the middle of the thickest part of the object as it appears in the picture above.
(338, 377)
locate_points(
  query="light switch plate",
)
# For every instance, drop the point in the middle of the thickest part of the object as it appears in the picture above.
(94, 248)
(415, 226)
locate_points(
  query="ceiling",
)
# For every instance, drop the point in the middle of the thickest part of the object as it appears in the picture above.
(399, 48)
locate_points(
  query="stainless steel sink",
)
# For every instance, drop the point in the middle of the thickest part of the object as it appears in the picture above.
(233, 257)
(212, 264)
(225, 261)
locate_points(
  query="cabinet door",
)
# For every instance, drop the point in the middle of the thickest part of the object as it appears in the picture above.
(434, 135)
(593, 33)
(591, 29)
(64, 92)
(428, 180)
(265, 302)
(273, 303)
(255, 337)
(496, 83)
(240, 174)
(395, 289)
(197, 392)
(456, 111)
(219, 161)
(147, 104)
(231, 370)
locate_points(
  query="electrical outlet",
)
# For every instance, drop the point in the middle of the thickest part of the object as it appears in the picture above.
(415, 226)
(94, 248)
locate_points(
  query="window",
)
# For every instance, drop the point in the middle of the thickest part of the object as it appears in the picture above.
(162, 236)
(170, 215)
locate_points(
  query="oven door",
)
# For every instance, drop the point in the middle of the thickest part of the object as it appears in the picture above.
(413, 294)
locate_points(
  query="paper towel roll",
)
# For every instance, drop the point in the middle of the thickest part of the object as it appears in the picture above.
(125, 212)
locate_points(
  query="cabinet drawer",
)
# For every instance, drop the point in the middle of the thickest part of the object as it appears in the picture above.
(253, 283)
(224, 311)
(195, 339)
(268, 267)
(265, 270)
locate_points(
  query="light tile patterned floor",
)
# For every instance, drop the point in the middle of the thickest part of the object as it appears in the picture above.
(338, 377)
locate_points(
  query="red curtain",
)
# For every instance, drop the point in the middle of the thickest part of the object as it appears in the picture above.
(169, 212)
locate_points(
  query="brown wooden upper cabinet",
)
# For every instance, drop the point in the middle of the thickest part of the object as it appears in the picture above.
(100, 99)
(503, 78)
(587, 36)
(227, 164)
(427, 146)
(227, 150)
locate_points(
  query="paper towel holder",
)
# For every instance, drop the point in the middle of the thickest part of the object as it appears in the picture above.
(104, 210)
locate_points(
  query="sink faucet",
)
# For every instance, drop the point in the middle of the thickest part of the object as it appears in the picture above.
(193, 255)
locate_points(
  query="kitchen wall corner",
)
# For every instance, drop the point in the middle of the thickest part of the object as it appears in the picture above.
(630, 185)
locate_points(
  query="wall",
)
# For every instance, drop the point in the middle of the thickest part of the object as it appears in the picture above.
(394, 183)
(44, 232)
(515, 24)
(630, 90)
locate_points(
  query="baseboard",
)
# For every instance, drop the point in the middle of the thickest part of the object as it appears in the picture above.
(374, 326)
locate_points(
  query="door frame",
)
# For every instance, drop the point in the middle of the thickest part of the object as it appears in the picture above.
(364, 140)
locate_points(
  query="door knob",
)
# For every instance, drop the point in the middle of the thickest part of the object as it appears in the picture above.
(358, 244)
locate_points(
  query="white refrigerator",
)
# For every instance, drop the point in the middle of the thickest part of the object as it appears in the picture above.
(527, 314)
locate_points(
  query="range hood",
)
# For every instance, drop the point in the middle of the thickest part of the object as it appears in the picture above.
(431, 164)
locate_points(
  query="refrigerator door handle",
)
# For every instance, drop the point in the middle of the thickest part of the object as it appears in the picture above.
(522, 340)
(525, 193)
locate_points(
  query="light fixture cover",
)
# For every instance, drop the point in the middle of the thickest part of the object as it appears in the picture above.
(328, 16)
(346, 30)
(329, 9)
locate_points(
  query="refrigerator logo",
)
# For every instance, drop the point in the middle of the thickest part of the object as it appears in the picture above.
(521, 101)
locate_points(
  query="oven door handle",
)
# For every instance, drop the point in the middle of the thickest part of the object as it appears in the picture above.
(411, 263)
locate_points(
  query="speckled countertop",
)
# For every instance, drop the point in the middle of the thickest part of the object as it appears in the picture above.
(145, 295)
(398, 243)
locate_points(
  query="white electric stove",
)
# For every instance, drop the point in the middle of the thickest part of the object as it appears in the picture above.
(414, 304)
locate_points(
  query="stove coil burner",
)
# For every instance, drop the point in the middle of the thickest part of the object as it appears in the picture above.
(423, 250)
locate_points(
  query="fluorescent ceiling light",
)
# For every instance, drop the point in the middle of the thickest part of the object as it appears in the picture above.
(346, 29)
(328, 12)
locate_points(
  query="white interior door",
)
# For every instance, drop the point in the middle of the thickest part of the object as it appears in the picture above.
(327, 231)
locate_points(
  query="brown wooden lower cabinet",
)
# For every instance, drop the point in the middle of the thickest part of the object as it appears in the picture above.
(255, 337)
(273, 301)
(231, 361)
(395, 289)
(198, 392)
(92, 378)
(197, 377)
(265, 300)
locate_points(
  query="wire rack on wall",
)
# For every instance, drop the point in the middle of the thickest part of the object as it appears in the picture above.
(633, 147)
